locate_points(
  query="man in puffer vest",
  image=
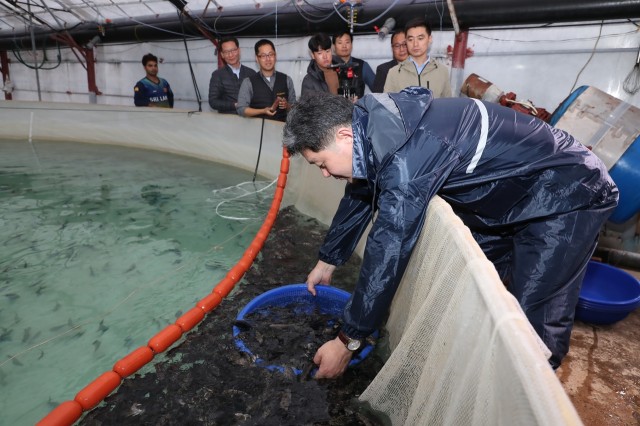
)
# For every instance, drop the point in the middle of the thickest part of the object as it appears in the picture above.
(268, 93)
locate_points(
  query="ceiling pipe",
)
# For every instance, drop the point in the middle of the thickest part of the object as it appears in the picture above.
(469, 13)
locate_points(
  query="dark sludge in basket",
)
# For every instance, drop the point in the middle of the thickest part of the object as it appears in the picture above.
(287, 336)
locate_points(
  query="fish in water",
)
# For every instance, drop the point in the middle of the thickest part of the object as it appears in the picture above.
(128, 342)
(96, 345)
(26, 335)
(61, 326)
(12, 296)
(101, 327)
(6, 334)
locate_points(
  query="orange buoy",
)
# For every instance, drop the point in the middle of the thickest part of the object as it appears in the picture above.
(245, 262)
(236, 273)
(165, 338)
(134, 361)
(96, 391)
(209, 303)
(282, 181)
(190, 319)
(64, 414)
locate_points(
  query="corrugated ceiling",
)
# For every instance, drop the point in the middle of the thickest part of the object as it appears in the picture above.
(57, 15)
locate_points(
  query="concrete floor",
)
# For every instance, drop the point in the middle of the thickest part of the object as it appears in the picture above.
(601, 373)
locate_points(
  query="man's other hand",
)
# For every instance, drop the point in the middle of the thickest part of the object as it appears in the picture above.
(332, 359)
(321, 274)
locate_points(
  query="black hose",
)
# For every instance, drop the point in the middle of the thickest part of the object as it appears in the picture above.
(259, 151)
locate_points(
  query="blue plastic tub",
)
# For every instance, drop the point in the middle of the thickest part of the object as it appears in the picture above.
(329, 300)
(608, 294)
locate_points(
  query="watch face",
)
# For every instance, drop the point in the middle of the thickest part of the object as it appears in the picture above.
(354, 345)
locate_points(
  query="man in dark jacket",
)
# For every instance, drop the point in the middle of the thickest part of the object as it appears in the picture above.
(533, 197)
(225, 82)
(400, 53)
(320, 76)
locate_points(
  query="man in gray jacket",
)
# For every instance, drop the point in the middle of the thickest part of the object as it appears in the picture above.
(225, 82)
(419, 69)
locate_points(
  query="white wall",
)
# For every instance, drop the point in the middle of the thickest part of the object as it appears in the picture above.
(538, 64)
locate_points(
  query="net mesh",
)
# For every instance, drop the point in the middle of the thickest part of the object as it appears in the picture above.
(463, 351)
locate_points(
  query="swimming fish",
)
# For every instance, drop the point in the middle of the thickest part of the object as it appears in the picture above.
(6, 334)
(12, 296)
(26, 335)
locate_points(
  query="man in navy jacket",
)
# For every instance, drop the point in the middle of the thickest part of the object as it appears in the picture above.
(533, 197)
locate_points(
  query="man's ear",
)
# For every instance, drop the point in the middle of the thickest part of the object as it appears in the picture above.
(345, 133)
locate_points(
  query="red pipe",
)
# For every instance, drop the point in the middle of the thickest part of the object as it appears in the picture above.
(4, 67)
(460, 49)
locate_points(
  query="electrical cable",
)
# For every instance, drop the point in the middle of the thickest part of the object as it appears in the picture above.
(588, 60)
(364, 24)
(193, 76)
(18, 56)
(259, 151)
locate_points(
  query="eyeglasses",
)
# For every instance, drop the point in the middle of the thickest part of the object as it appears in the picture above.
(266, 55)
(228, 52)
(399, 45)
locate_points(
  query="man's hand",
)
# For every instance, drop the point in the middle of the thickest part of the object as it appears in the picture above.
(332, 359)
(268, 111)
(283, 103)
(321, 274)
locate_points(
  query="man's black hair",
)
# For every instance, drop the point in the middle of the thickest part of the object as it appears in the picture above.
(226, 39)
(148, 58)
(339, 34)
(313, 121)
(417, 22)
(261, 43)
(395, 33)
(319, 41)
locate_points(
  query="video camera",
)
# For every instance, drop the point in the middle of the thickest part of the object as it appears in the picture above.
(348, 78)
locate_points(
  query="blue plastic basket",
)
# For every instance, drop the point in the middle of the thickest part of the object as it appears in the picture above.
(608, 294)
(329, 300)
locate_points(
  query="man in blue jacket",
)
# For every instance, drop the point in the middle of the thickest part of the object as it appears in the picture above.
(533, 197)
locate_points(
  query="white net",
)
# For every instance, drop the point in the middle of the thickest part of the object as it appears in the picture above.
(463, 351)
(244, 201)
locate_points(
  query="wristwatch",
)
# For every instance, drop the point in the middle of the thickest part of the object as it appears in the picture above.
(351, 344)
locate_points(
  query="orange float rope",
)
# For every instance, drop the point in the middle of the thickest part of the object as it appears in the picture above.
(69, 412)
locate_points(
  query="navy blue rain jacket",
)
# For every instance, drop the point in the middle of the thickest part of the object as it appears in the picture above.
(409, 147)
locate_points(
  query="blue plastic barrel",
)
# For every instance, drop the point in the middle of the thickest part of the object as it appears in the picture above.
(611, 128)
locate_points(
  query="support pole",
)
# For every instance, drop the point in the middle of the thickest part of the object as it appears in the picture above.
(91, 75)
(33, 49)
(4, 67)
(459, 57)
